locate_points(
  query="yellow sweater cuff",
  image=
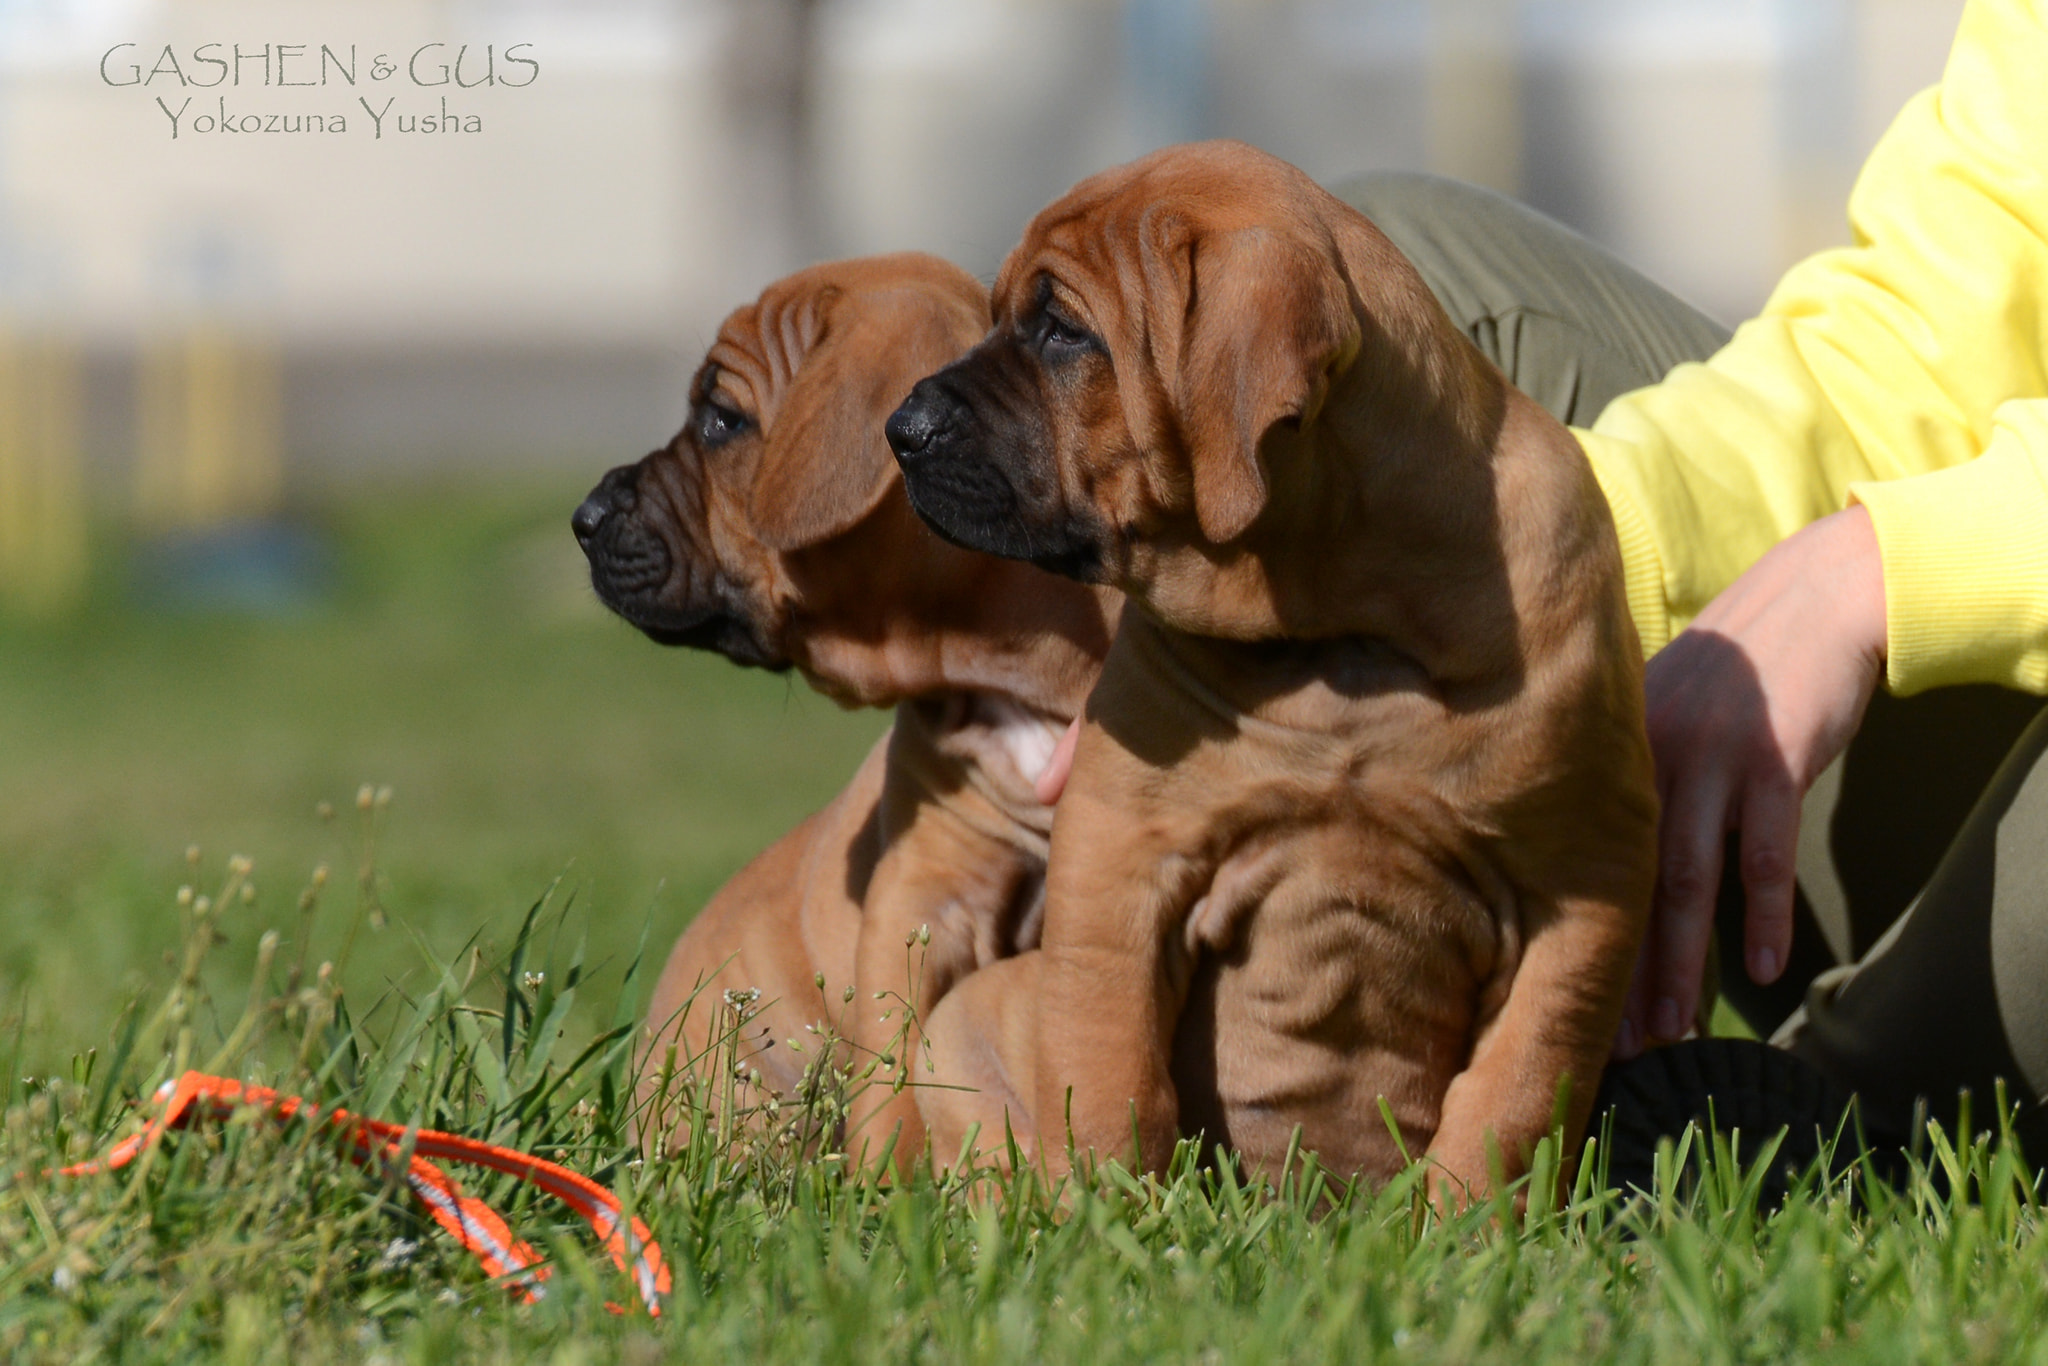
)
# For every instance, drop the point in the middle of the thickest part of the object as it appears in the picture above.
(1966, 565)
(1642, 568)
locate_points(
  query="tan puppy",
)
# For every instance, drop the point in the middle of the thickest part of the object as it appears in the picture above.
(774, 530)
(1363, 806)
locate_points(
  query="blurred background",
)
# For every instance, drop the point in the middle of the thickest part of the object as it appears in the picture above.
(316, 320)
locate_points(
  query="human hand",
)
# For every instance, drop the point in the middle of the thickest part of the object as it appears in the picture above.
(1052, 780)
(1746, 708)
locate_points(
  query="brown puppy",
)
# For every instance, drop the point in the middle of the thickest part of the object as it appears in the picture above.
(774, 530)
(1362, 806)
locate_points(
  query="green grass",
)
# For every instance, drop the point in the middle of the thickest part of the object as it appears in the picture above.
(254, 1241)
(525, 739)
(525, 735)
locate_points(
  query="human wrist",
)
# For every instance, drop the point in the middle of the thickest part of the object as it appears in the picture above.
(1859, 582)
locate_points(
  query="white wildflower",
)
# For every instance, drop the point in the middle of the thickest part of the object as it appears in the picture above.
(396, 1254)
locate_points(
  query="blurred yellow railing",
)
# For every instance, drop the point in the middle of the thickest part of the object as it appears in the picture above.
(207, 421)
(43, 561)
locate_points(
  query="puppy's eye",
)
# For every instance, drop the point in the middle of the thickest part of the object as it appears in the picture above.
(1057, 336)
(718, 424)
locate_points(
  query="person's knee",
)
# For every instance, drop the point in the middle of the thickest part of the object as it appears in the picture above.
(1401, 195)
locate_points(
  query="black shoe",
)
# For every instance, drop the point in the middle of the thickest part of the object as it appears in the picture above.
(1725, 1086)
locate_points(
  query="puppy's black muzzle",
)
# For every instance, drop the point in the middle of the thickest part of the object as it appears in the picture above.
(960, 483)
(950, 480)
(635, 573)
(912, 427)
(629, 561)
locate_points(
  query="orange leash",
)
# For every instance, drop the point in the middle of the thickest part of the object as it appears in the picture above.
(473, 1223)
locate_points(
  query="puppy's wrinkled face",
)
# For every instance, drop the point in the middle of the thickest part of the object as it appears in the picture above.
(653, 532)
(1007, 450)
(1151, 330)
(733, 537)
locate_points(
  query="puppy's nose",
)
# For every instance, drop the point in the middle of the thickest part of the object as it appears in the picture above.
(910, 428)
(614, 493)
(589, 516)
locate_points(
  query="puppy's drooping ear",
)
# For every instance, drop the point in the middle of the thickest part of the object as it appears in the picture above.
(1267, 318)
(827, 463)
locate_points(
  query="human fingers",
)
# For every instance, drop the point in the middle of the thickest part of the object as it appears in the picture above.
(1635, 1009)
(1052, 779)
(1690, 841)
(1769, 861)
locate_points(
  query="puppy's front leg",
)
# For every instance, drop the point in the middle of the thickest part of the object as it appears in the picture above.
(1558, 1021)
(984, 1044)
(940, 885)
(1069, 1045)
(1113, 973)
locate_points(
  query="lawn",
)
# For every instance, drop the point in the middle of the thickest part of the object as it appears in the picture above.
(459, 660)
(537, 753)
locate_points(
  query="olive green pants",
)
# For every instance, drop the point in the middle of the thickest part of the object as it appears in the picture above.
(1919, 961)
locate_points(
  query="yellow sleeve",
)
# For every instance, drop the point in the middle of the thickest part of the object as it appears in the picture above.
(1888, 371)
(1966, 562)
